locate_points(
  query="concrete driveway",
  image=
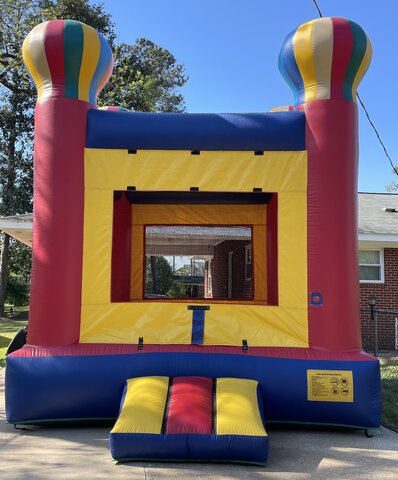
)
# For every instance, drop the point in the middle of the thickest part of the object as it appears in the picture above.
(295, 454)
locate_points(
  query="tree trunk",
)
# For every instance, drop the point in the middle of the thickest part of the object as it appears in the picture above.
(4, 259)
(154, 273)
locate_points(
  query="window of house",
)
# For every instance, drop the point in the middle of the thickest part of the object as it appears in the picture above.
(371, 266)
(248, 262)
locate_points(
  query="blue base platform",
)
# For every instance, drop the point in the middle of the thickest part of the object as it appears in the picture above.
(43, 389)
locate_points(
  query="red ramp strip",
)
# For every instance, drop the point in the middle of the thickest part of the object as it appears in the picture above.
(190, 406)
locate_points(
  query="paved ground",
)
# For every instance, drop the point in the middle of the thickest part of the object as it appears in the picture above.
(295, 454)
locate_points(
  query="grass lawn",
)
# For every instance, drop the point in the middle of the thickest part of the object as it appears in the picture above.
(9, 327)
(389, 385)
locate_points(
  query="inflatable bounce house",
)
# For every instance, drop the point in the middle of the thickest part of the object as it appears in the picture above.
(195, 276)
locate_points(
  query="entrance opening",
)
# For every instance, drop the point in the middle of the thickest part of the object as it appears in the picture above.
(203, 246)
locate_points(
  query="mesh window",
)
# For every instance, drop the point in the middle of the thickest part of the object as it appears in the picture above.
(198, 262)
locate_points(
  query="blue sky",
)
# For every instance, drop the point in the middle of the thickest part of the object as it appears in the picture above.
(230, 50)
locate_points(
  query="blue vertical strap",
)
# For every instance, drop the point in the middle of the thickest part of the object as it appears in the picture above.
(198, 327)
(198, 323)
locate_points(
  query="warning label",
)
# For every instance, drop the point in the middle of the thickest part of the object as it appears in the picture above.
(330, 385)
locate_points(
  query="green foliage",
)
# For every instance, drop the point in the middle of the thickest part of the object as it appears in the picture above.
(16, 108)
(161, 269)
(393, 186)
(197, 268)
(17, 292)
(177, 290)
(389, 385)
(20, 261)
(167, 282)
(8, 330)
(82, 10)
(16, 126)
(145, 78)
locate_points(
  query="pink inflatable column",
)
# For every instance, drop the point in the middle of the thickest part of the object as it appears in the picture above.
(323, 61)
(70, 63)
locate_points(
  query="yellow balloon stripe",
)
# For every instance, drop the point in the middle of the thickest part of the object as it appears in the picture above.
(91, 53)
(322, 44)
(36, 62)
(302, 45)
(362, 68)
(27, 58)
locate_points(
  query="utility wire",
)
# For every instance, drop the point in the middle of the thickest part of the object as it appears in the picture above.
(394, 168)
(317, 7)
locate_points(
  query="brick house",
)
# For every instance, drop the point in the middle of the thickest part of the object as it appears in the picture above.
(235, 253)
(378, 260)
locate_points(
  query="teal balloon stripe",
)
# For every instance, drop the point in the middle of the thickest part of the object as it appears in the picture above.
(73, 54)
(358, 52)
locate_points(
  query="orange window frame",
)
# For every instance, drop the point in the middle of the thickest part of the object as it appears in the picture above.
(254, 216)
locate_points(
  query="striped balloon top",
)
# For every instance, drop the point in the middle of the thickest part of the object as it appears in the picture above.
(325, 59)
(67, 59)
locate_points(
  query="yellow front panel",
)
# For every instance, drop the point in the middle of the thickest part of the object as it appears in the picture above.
(292, 242)
(271, 326)
(97, 247)
(178, 170)
(143, 406)
(156, 322)
(237, 411)
(171, 323)
(162, 322)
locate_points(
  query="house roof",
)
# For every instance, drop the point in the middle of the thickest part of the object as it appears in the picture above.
(374, 217)
(19, 227)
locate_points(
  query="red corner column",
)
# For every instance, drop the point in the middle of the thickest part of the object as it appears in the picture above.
(323, 62)
(331, 141)
(59, 56)
(55, 299)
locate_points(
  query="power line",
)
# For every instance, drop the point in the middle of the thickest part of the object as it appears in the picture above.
(394, 168)
(317, 7)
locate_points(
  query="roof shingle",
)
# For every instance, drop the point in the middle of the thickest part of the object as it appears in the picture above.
(372, 218)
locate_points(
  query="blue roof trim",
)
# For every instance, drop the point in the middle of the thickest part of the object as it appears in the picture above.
(277, 131)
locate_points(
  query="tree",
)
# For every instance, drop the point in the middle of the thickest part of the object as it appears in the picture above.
(146, 78)
(17, 292)
(158, 275)
(16, 122)
(82, 10)
(392, 187)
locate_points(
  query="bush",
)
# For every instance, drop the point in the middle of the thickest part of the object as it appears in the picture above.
(17, 292)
